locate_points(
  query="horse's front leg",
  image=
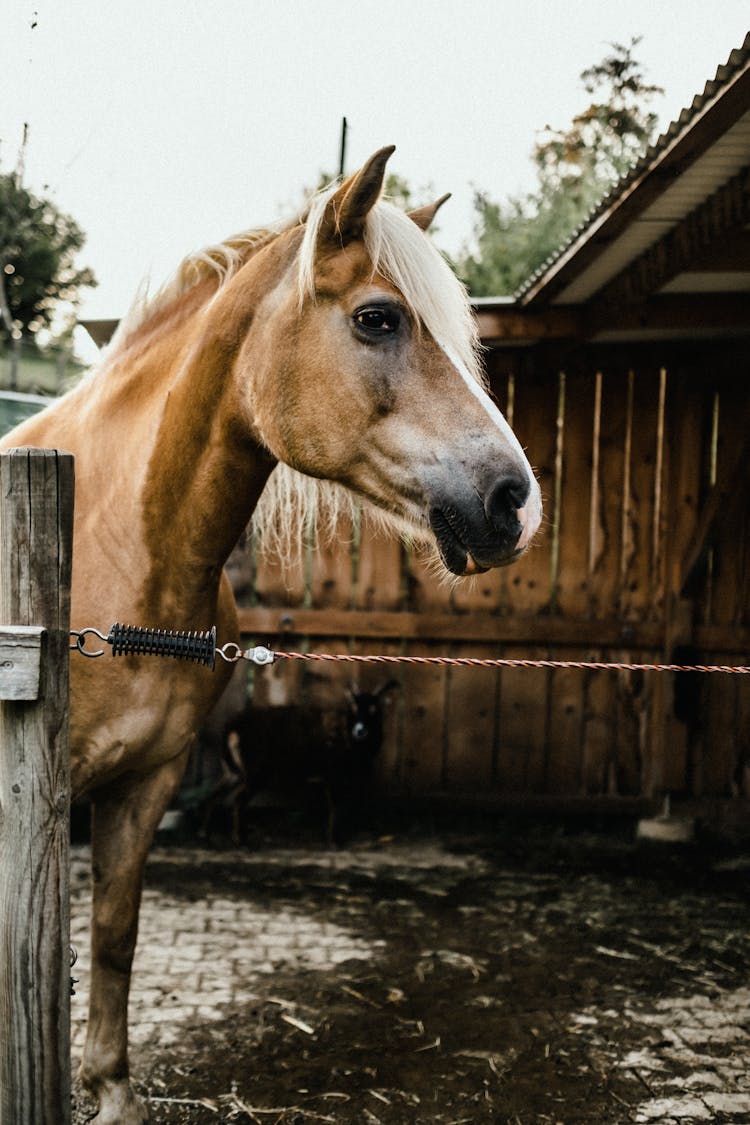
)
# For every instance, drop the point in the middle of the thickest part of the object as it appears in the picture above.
(124, 821)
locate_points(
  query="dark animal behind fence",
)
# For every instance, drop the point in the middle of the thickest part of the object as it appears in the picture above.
(305, 758)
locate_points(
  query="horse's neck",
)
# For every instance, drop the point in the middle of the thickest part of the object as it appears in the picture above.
(204, 479)
(204, 471)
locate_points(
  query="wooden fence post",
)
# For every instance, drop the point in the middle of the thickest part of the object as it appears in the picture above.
(36, 531)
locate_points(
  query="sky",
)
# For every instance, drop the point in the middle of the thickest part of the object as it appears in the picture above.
(166, 125)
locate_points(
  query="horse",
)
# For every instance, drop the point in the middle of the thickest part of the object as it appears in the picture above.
(340, 345)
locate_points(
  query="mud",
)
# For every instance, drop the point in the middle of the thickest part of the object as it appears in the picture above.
(524, 974)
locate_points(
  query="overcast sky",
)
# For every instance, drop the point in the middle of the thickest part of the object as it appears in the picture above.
(164, 125)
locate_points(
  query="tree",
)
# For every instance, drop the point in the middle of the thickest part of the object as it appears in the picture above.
(575, 168)
(38, 247)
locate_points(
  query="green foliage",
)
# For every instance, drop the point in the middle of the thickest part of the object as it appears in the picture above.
(575, 168)
(38, 248)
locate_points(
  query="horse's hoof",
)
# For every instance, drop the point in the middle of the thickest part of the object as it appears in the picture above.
(119, 1105)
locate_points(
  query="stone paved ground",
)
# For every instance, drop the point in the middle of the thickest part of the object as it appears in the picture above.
(610, 982)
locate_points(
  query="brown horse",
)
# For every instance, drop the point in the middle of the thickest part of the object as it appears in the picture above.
(341, 345)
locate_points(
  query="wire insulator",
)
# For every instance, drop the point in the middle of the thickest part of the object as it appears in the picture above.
(131, 640)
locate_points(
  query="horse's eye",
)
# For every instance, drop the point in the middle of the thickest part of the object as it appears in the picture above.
(377, 320)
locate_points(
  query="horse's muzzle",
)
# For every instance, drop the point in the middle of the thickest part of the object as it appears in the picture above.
(477, 530)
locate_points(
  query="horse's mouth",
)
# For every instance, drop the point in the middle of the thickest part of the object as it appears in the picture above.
(456, 555)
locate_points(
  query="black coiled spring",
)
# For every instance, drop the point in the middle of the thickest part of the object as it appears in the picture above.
(131, 640)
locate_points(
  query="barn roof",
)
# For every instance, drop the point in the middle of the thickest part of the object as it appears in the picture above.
(667, 252)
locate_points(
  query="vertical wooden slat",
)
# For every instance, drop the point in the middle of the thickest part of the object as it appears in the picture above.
(470, 725)
(731, 528)
(36, 528)
(379, 578)
(428, 590)
(522, 721)
(684, 438)
(331, 568)
(535, 414)
(598, 769)
(577, 750)
(607, 496)
(523, 710)
(564, 771)
(659, 525)
(423, 726)
(720, 733)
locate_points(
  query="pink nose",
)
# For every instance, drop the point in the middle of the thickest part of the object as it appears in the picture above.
(529, 517)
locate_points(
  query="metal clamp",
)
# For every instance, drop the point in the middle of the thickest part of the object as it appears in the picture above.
(259, 655)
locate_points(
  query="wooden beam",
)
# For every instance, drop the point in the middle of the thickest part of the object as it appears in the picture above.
(447, 627)
(679, 313)
(511, 325)
(20, 661)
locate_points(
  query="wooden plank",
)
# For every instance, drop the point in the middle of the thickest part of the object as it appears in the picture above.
(725, 533)
(20, 662)
(660, 526)
(732, 471)
(605, 531)
(264, 621)
(423, 725)
(687, 422)
(719, 736)
(637, 586)
(331, 568)
(563, 764)
(599, 750)
(535, 415)
(572, 597)
(631, 731)
(379, 583)
(470, 722)
(36, 531)
(522, 727)
(512, 324)
(430, 590)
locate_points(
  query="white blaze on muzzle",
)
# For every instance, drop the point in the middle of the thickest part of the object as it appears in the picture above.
(530, 516)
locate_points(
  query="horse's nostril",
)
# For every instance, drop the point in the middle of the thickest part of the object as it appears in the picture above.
(506, 496)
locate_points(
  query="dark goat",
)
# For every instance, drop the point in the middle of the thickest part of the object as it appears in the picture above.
(286, 750)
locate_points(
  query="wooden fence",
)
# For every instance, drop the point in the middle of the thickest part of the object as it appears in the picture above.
(646, 548)
(36, 530)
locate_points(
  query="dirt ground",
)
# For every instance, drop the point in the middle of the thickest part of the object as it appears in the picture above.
(514, 972)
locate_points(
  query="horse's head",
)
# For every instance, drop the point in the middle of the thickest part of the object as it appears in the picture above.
(370, 378)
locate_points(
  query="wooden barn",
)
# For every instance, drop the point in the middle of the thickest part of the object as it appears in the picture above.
(624, 368)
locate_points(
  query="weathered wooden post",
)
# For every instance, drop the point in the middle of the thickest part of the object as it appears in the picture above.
(36, 531)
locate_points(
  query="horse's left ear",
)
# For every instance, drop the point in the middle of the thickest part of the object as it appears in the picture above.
(423, 216)
(349, 206)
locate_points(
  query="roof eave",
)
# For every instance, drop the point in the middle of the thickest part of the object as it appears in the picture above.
(716, 110)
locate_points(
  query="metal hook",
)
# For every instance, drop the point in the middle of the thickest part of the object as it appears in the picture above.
(80, 641)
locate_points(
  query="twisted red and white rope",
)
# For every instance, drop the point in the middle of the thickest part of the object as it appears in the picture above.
(507, 662)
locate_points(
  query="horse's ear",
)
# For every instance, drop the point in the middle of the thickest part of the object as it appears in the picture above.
(423, 216)
(348, 207)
